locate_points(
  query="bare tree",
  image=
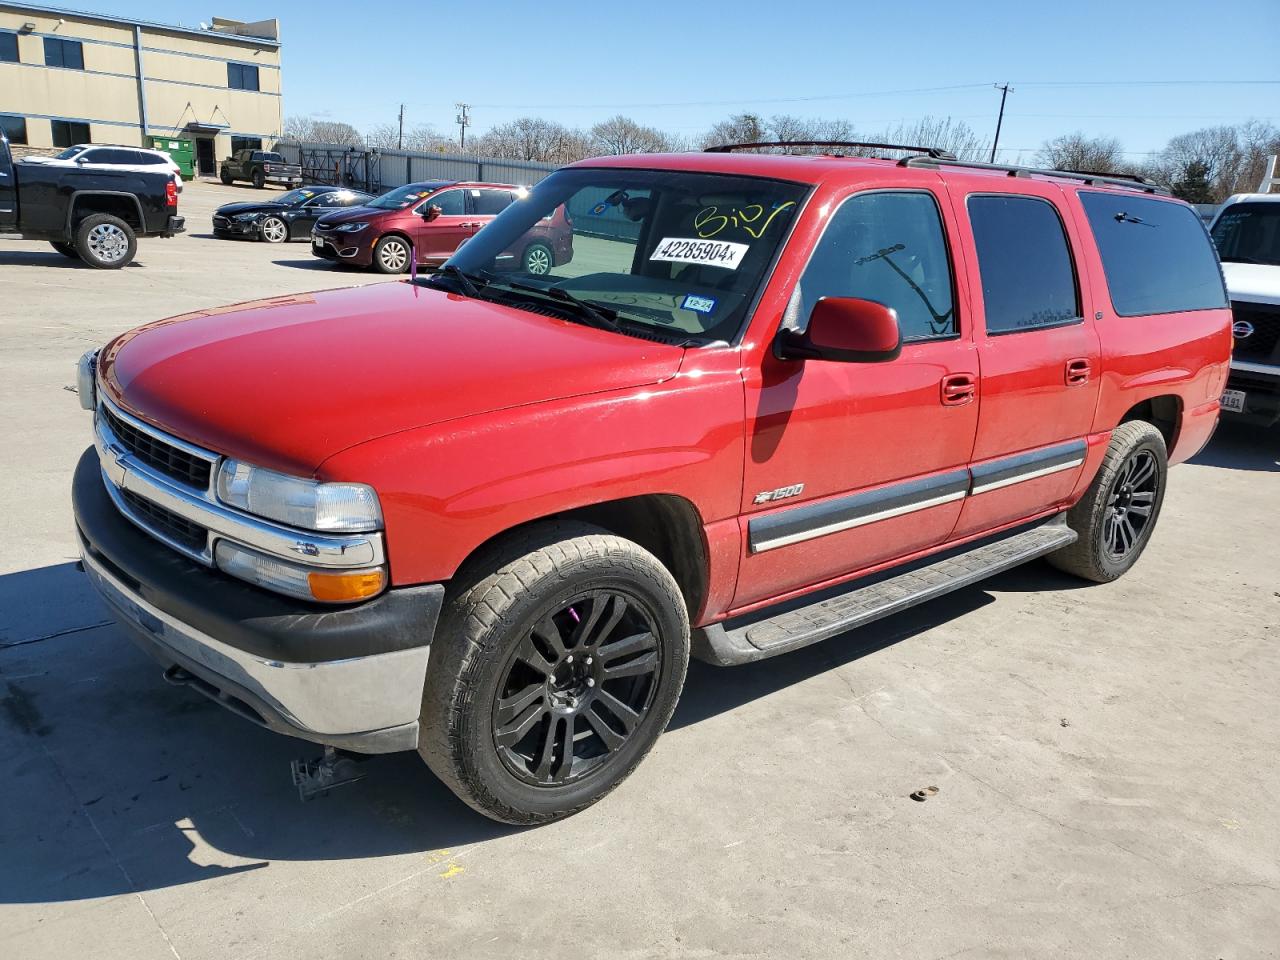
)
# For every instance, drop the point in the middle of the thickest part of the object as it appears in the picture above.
(1076, 151)
(1230, 158)
(619, 135)
(944, 133)
(385, 136)
(740, 128)
(298, 129)
(533, 138)
(318, 130)
(427, 138)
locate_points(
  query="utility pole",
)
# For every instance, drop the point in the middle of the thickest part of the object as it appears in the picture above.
(400, 140)
(463, 121)
(1004, 93)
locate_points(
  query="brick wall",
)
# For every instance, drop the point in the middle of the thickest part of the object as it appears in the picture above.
(20, 150)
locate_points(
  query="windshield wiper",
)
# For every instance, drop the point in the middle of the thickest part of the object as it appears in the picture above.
(602, 317)
(466, 281)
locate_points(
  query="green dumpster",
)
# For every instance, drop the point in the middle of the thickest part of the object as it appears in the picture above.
(182, 151)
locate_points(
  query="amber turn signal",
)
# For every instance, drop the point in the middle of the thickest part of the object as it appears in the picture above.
(342, 587)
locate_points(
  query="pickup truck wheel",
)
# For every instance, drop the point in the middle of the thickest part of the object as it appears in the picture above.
(259, 179)
(274, 230)
(105, 242)
(1118, 513)
(66, 249)
(391, 255)
(557, 664)
(225, 177)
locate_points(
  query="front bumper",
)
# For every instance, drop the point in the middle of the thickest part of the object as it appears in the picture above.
(226, 227)
(351, 677)
(1261, 385)
(342, 248)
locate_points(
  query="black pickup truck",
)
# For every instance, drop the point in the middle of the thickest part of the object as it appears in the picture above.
(96, 215)
(259, 167)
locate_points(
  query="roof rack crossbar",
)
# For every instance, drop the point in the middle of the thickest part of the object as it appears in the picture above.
(933, 153)
(1129, 180)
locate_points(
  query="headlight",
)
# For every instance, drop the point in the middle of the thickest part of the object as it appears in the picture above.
(327, 586)
(350, 227)
(330, 507)
(87, 380)
(245, 217)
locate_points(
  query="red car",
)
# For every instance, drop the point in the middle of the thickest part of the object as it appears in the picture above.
(434, 219)
(489, 515)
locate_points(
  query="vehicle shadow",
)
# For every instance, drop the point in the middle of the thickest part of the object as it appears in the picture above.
(36, 258)
(1241, 446)
(315, 263)
(117, 782)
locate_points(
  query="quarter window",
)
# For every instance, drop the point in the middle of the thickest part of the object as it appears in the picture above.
(242, 76)
(15, 128)
(886, 247)
(1155, 254)
(8, 48)
(63, 53)
(1028, 280)
(67, 133)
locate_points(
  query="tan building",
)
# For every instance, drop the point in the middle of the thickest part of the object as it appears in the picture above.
(68, 77)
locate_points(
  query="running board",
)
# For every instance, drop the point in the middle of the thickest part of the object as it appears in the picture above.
(807, 620)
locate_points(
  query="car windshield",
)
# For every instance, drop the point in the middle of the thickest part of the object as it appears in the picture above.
(400, 197)
(1249, 233)
(295, 197)
(666, 253)
(69, 153)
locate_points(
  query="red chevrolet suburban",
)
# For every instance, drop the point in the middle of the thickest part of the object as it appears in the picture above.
(489, 515)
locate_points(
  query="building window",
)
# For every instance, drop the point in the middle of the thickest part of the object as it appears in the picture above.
(8, 48)
(15, 128)
(245, 143)
(241, 76)
(67, 133)
(63, 53)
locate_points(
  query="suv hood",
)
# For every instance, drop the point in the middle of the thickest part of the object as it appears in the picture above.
(1254, 282)
(288, 382)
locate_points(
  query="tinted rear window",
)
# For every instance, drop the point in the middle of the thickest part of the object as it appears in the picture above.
(1155, 253)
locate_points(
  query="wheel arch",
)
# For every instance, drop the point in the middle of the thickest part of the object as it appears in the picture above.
(667, 525)
(85, 203)
(1164, 412)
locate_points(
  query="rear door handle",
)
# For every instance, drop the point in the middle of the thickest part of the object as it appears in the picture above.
(1078, 372)
(958, 389)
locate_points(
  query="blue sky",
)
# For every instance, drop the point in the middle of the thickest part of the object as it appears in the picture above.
(683, 65)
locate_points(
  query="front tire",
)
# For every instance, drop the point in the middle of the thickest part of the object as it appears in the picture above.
(225, 177)
(259, 179)
(391, 255)
(274, 230)
(558, 662)
(538, 259)
(1116, 516)
(105, 242)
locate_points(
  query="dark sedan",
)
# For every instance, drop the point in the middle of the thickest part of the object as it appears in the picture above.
(289, 216)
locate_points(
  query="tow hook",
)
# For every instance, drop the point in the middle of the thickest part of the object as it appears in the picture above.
(333, 768)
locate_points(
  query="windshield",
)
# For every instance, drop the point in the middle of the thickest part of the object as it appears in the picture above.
(294, 197)
(1249, 233)
(400, 197)
(675, 254)
(68, 153)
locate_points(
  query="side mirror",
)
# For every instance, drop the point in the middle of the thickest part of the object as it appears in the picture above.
(431, 212)
(81, 161)
(845, 330)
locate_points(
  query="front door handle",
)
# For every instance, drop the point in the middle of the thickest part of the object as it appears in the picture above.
(959, 389)
(1078, 371)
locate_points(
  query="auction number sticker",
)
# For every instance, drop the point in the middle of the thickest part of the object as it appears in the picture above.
(711, 253)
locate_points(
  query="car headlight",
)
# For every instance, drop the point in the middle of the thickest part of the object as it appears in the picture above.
(87, 380)
(246, 217)
(298, 502)
(308, 583)
(350, 227)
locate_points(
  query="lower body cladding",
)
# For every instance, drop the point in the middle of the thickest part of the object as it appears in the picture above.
(350, 677)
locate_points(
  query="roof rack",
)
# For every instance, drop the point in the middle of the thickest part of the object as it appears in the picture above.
(931, 153)
(1130, 180)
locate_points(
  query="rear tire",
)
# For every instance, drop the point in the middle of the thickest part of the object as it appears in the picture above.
(391, 255)
(558, 662)
(259, 179)
(66, 249)
(1118, 513)
(538, 259)
(105, 242)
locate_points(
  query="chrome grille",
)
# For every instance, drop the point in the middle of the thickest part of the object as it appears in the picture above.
(170, 460)
(166, 522)
(1264, 342)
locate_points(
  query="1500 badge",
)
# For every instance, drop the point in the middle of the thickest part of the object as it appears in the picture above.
(768, 496)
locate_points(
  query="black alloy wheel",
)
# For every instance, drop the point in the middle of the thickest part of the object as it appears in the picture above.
(576, 688)
(1132, 501)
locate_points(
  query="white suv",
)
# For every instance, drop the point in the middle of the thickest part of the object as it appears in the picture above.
(101, 155)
